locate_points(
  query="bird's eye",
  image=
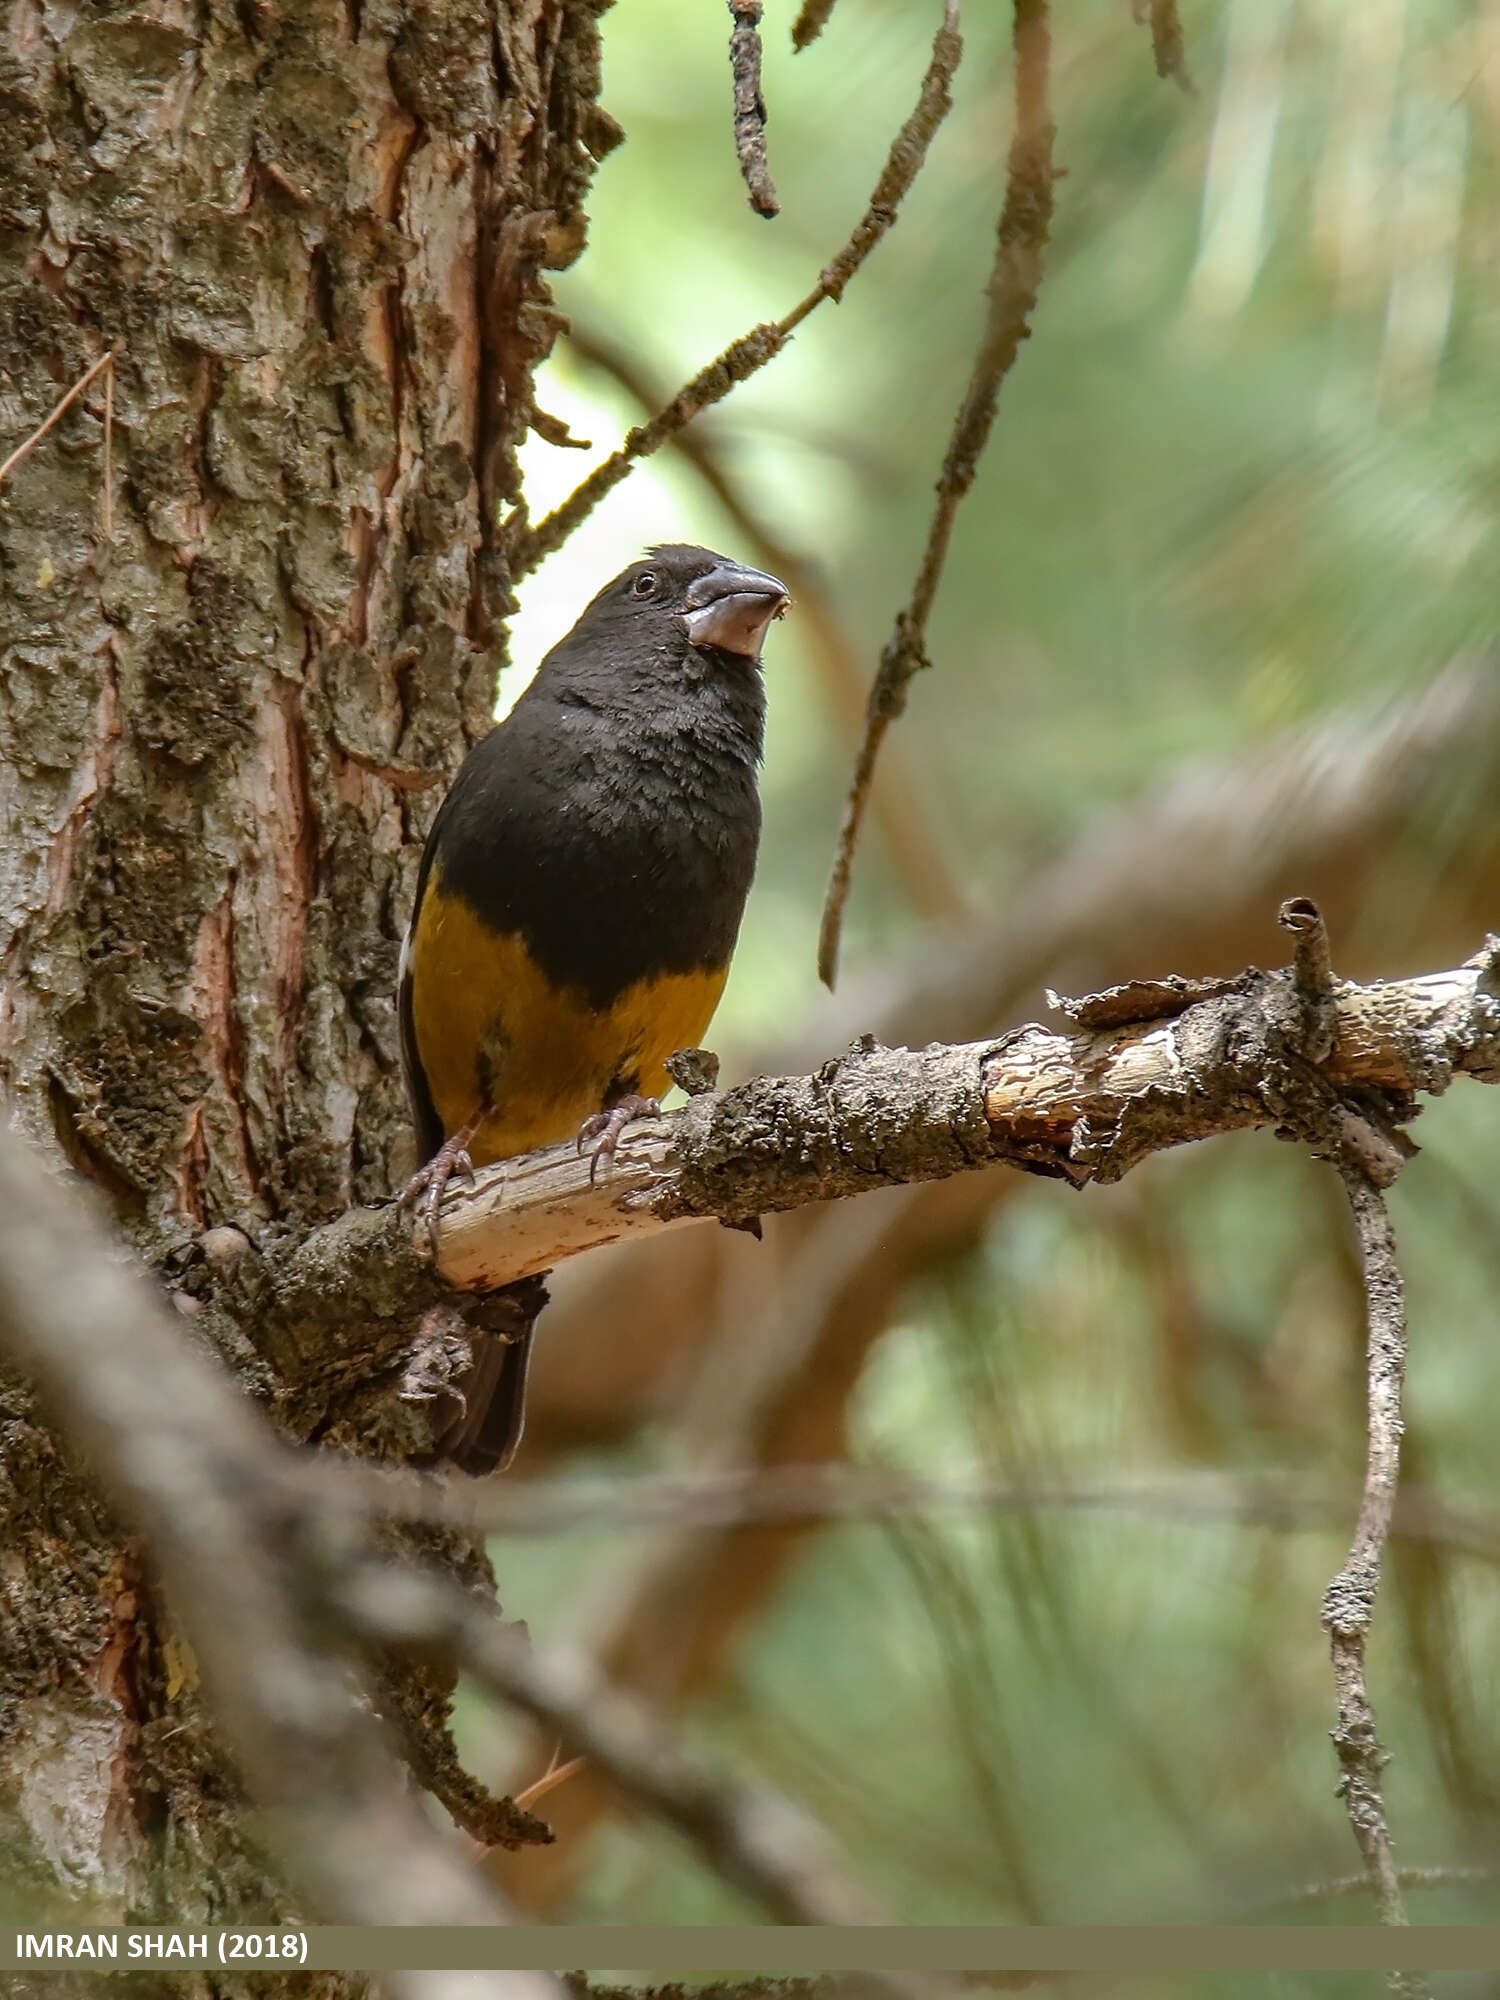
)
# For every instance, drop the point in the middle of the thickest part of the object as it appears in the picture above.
(645, 584)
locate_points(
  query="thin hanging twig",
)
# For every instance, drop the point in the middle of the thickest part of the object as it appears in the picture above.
(1025, 222)
(1350, 1598)
(106, 361)
(750, 106)
(1367, 1160)
(527, 546)
(1167, 45)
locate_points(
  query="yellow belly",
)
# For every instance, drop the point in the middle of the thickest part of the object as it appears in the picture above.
(491, 1030)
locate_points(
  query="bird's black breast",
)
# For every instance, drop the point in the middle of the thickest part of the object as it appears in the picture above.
(620, 844)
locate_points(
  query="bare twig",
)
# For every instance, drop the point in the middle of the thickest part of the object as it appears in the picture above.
(1367, 1161)
(904, 825)
(415, 1706)
(810, 22)
(105, 363)
(527, 546)
(750, 105)
(1463, 1876)
(753, 1836)
(1350, 1598)
(1025, 221)
(1167, 45)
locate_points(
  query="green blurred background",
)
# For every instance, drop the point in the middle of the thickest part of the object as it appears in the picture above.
(1194, 650)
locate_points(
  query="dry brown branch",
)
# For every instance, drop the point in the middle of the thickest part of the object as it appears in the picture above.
(527, 545)
(105, 365)
(1025, 221)
(1156, 1067)
(750, 106)
(187, 1462)
(752, 1836)
(810, 22)
(1167, 45)
(904, 823)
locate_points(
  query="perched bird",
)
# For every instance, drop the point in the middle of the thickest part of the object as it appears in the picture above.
(580, 896)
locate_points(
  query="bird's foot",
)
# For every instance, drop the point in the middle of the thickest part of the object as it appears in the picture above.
(601, 1133)
(428, 1184)
(439, 1359)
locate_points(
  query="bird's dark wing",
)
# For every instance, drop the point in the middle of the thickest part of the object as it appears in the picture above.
(429, 1127)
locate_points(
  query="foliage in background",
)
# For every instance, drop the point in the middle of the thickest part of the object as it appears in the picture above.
(1245, 475)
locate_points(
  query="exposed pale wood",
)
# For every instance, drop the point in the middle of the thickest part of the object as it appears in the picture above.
(531, 1213)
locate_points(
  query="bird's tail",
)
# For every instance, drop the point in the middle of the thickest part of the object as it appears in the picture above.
(483, 1437)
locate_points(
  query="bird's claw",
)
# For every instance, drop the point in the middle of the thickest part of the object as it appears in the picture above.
(601, 1133)
(447, 1163)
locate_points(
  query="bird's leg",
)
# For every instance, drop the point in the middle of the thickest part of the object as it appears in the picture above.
(601, 1133)
(451, 1158)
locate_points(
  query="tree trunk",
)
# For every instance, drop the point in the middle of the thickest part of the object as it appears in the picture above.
(317, 230)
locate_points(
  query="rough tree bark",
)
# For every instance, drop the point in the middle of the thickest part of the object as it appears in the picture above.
(318, 231)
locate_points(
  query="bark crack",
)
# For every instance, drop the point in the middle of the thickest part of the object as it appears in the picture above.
(95, 774)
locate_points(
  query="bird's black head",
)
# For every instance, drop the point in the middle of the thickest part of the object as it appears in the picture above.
(714, 604)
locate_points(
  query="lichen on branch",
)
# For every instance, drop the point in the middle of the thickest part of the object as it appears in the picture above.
(1149, 1066)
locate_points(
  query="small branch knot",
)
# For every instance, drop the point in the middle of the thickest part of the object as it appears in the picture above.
(1359, 1130)
(1349, 1601)
(902, 656)
(694, 1070)
(1312, 975)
